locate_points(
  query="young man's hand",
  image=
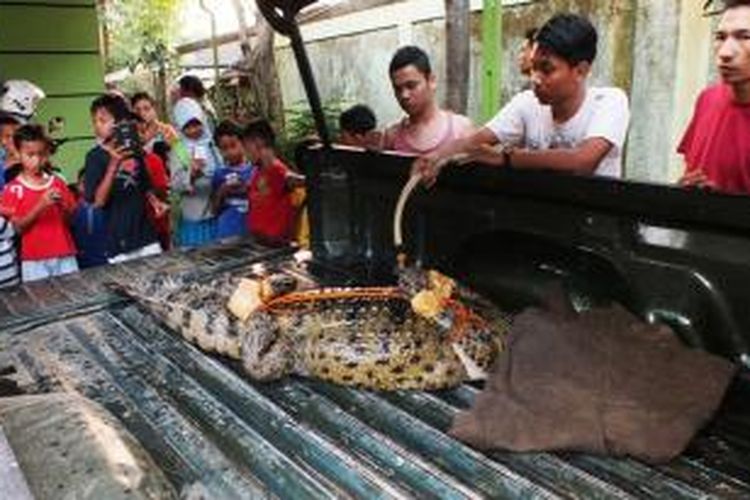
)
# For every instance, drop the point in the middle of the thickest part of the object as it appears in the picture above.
(487, 155)
(117, 154)
(169, 134)
(196, 168)
(697, 178)
(160, 207)
(428, 167)
(51, 197)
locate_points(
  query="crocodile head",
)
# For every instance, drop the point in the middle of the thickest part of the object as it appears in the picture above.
(267, 352)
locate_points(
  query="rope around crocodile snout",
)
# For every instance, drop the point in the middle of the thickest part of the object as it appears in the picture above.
(398, 239)
(414, 180)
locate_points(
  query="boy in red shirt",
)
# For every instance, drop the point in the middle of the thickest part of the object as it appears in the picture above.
(39, 205)
(271, 216)
(157, 201)
(716, 145)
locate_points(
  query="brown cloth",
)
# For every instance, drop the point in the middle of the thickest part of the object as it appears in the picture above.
(602, 382)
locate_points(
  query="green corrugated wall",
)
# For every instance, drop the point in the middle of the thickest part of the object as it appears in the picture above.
(55, 44)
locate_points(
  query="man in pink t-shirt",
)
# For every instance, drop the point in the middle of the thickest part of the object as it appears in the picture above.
(716, 145)
(426, 127)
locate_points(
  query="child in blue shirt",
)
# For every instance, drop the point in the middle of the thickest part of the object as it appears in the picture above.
(230, 183)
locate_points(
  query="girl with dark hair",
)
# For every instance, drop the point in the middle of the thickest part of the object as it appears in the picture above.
(158, 137)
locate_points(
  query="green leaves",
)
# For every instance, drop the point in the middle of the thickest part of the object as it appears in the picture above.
(140, 31)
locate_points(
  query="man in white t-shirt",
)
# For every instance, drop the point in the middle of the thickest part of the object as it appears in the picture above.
(562, 124)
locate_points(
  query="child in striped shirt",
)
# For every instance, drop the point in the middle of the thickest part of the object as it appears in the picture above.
(9, 275)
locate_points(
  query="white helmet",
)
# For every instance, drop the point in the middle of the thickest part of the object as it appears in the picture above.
(19, 98)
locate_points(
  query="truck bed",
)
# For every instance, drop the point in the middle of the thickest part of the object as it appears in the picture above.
(205, 423)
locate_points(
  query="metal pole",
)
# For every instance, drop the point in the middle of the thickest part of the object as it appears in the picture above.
(492, 46)
(306, 72)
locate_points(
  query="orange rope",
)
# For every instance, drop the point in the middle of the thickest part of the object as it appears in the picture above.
(464, 318)
(324, 295)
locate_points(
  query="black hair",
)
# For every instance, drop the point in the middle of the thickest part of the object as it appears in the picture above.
(570, 37)
(260, 129)
(193, 121)
(724, 5)
(8, 120)
(162, 150)
(81, 174)
(30, 133)
(530, 34)
(358, 119)
(192, 85)
(411, 56)
(141, 96)
(227, 129)
(114, 105)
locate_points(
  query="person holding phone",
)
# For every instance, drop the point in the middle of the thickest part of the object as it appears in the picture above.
(117, 181)
(39, 205)
(230, 183)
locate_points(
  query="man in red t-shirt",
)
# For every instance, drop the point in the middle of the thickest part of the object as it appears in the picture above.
(39, 205)
(271, 215)
(716, 145)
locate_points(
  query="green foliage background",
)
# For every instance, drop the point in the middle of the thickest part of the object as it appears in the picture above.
(141, 31)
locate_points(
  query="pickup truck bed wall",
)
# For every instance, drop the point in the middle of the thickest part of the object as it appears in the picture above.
(677, 256)
(203, 422)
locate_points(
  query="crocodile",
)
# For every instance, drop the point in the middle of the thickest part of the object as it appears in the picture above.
(368, 337)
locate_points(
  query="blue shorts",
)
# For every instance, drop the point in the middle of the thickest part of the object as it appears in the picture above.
(197, 233)
(231, 223)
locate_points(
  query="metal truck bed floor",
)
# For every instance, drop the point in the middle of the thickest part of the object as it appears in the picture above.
(204, 423)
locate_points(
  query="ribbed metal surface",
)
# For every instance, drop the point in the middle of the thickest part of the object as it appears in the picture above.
(203, 422)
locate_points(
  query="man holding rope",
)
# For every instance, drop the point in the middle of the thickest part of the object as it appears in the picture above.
(561, 124)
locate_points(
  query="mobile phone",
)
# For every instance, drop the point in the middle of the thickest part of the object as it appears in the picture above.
(200, 153)
(126, 136)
